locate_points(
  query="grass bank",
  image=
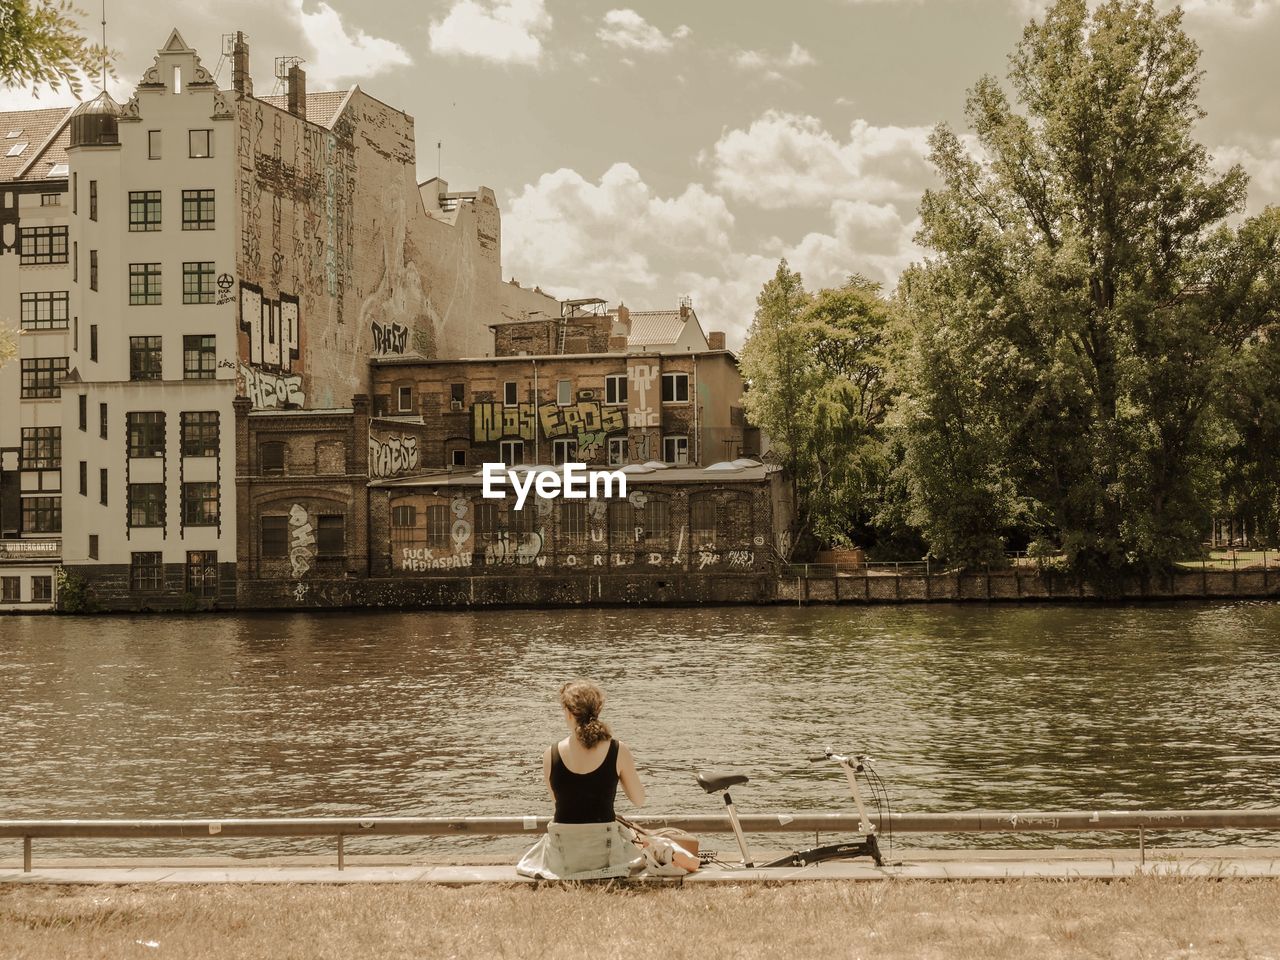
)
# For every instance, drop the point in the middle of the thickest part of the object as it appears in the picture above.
(1136, 919)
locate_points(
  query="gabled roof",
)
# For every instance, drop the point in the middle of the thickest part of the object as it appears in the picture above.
(45, 133)
(655, 328)
(322, 106)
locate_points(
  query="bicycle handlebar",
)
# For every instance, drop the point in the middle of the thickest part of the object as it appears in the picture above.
(854, 761)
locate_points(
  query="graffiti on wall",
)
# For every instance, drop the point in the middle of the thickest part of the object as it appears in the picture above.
(643, 394)
(587, 421)
(515, 549)
(392, 338)
(302, 541)
(392, 455)
(273, 328)
(267, 390)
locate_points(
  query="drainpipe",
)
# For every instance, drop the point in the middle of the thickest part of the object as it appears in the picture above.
(537, 451)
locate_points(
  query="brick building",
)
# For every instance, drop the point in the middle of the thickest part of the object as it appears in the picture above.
(590, 386)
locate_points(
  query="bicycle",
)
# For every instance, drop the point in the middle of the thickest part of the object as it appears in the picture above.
(868, 846)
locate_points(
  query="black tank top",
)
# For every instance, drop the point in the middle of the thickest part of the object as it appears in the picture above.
(585, 797)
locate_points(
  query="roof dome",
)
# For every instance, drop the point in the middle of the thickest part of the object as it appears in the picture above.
(94, 122)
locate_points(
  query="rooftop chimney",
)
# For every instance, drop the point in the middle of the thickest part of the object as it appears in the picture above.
(715, 340)
(620, 332)
(240, 79)
(297, 91)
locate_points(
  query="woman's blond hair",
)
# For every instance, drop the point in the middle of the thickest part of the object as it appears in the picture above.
(584, 701)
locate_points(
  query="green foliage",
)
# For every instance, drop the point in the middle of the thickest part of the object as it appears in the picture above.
(815, 369)
(40, 45)
(73, 593)
(8, 345)
(1084, 306)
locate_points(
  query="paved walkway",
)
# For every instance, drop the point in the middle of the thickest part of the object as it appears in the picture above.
(921, 865)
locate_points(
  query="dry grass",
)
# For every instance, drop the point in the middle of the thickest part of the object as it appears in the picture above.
(1142, 918)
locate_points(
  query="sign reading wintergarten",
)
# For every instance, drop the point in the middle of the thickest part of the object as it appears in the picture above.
(575, 483)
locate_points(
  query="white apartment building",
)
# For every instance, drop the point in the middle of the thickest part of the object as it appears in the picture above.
(35, 283)
(203, 243)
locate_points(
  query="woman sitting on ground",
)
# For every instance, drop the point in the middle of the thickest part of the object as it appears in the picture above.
(583, 770)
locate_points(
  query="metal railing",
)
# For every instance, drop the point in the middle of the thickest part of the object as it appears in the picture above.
(1073, 821)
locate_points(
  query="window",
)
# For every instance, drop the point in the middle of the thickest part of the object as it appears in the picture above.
(42, 515)
(509, 398)
(41, 448)
(42, 245)
(83, 401)
(197, 281)
(199, 361)
(622, 524)
(486, 521)
(200, 504)
(404, 399)
(153, 144)
(197, 209)
(102, 486)
(102, 420)
(458, 458)
(145, 358)
(93, 199)
(615, 389)
(512, 452)
(42, 377)
(617, 451)
(45, 311)
(439, 525)
(50, 200)
(675, 449)
(702, 523)
(84, 478)
(93, 269)
(200, 434)
(75, 193)
(75, 334)
(42, 589)
(564, 393)
(146, 433)
(457, 393)
(675, 388)
(275, 537)
(146, 573)
(144, 211)
(404, 516)
(144, 283)
(657, 519)
(146, 504)
(93, 342)
(93, 546)
(75, 262)
(202, 573)
(11, 589)
(573, 522)
(271, 459)
(331, 535)
(198, 142)
(563, 451)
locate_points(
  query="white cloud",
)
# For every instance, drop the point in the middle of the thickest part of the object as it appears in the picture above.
(1240, 12)
(1261, 160)
(784, 160)
(771, 66)
(626, 29)
(340, 53)
(501, 31)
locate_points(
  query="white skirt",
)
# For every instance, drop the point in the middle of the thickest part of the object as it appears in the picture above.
(583, 851)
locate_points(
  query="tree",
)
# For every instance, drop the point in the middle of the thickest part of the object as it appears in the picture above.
(8, 347)
(816, 386)
(1083, 303)
(40, 45)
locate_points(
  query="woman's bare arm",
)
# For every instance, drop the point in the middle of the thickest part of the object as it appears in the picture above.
(628, 776)
(546, 771)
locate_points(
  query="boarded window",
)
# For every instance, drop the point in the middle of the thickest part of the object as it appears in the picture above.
(702, 523)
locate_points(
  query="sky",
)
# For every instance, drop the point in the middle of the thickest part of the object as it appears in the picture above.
(666, 149)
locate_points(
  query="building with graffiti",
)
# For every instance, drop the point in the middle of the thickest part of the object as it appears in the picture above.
(195, 244)
(595, 386)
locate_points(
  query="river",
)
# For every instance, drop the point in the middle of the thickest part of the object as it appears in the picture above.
(397, 714)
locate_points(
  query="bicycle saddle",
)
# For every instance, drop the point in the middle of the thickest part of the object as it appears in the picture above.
(715, 782)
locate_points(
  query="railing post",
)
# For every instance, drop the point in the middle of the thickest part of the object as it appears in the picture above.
(342, 859)
(26, 854)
